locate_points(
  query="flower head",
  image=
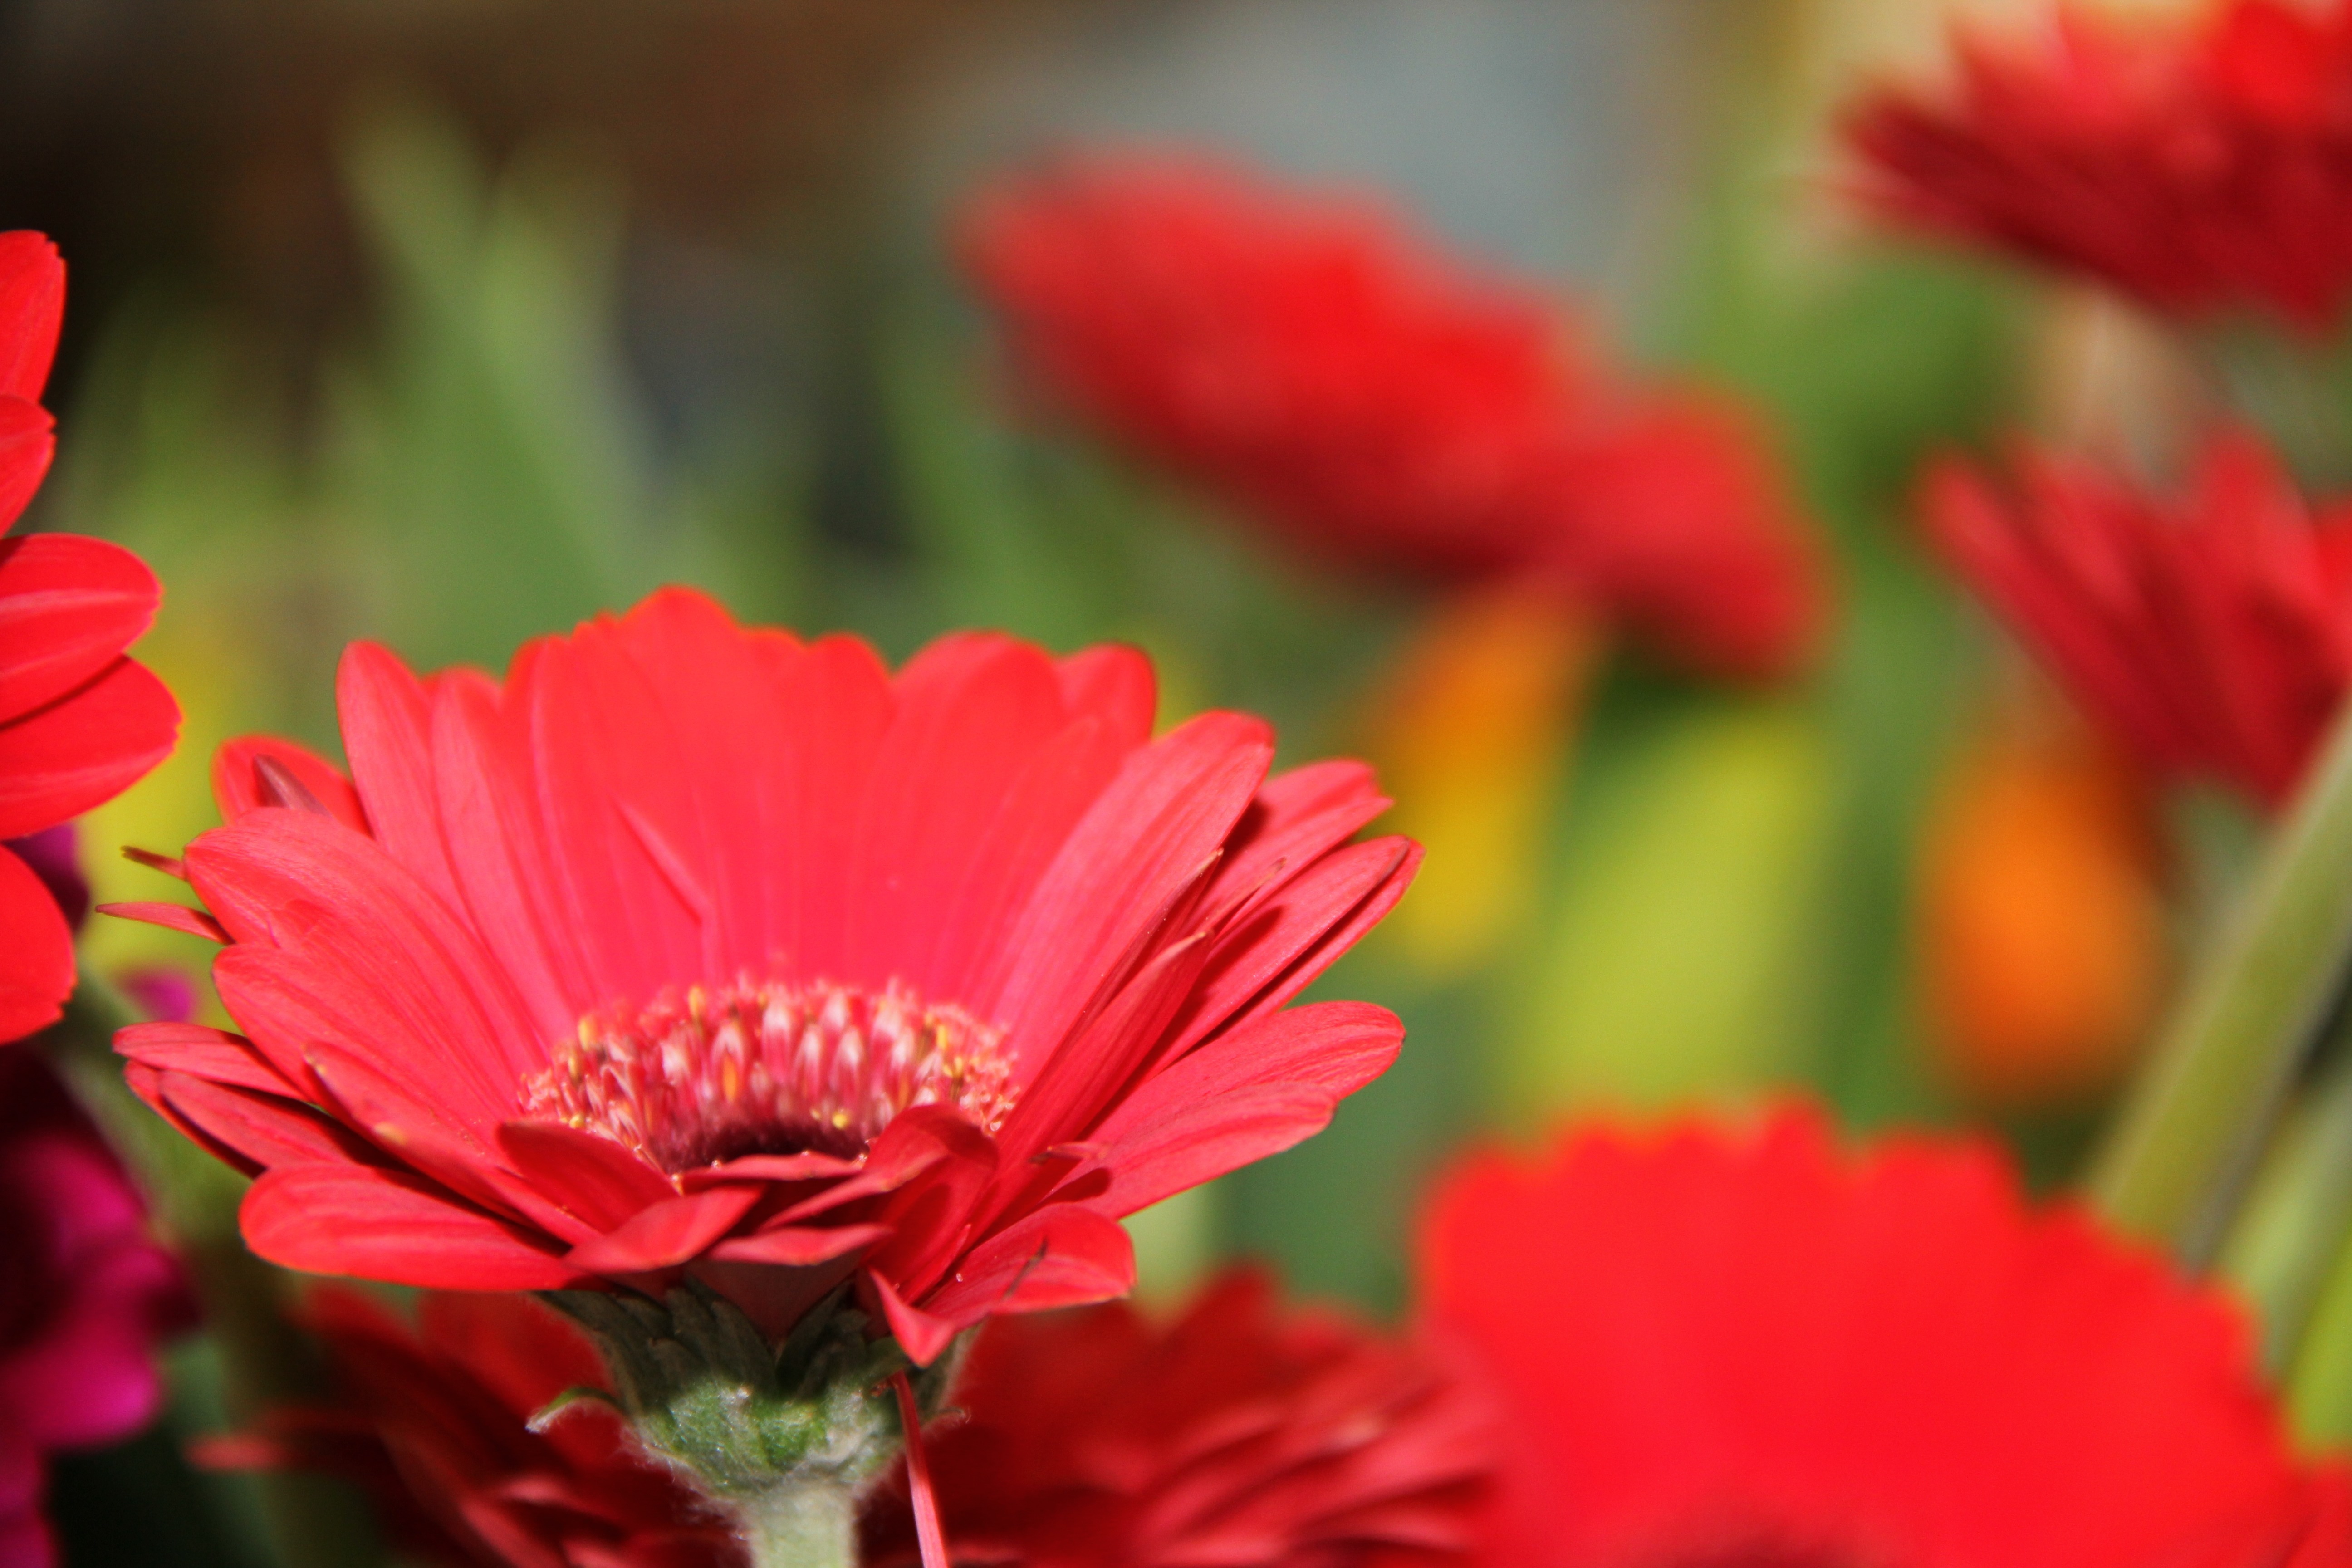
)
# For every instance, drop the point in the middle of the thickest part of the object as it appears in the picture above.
(1237, 1434)
(79, 721)
(84, 1296)
(689, 949)
(2197, 164)
(2211, 633)
(1378, 406)
(433, 1422)
(1743, 1346)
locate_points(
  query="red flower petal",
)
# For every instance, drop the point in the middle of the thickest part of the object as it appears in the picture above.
(800, 1246)
(36, 952)
(69, 606)
(264, 1129)
(32, 311)
(1247, 1094)
(585, 1173)
(2210, 632)
(202, 1052)
(394, 1226)
(1237, 1434)
(27, 442)
(1717, 1339)
(84, 748)
(672, 1232)
(169, 916)
(1060, 1256)
(257, 771)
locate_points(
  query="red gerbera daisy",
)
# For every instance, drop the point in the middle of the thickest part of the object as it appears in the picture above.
(1742, 1346)
(433, 1423)
(79, 721)
(1237, 1434)
(1380, 406)
(2211, 633)
(85, 1293)
(2196, 164)
(694, 948)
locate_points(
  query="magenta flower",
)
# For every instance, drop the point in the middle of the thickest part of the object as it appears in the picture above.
(84, 1295)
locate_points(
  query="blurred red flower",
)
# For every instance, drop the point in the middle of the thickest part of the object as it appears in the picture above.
(1380, 406)
(84, 1295)
(2211, 633)
(1743, 1346)
(1237, 1436)
(433, 1423)
(79, 721)
(2195, 163)
(694, 947)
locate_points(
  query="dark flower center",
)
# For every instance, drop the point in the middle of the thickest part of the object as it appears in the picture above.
(710, 1074)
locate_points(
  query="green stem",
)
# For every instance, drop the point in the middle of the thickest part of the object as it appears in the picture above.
(2193, 1128)
(2285, 1243)
(800, 1526)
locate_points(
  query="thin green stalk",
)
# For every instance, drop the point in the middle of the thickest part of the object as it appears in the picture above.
(2298, 1213)
(2319, 1379)
(2193, 1127)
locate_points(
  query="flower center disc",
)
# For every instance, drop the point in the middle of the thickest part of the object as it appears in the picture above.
(707, 1075)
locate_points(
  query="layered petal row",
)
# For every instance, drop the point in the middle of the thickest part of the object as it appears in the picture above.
(80, 722)
(1237, 1434)
(2196, 164)
(2210, 632)
(689, 948)
(1740, 1344)
(431, 1419)
(1378, 406)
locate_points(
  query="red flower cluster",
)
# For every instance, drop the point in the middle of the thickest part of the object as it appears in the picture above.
(2195, 165)
(432, 1423)
(1364, 396)
(1235, 1436)
(80, 722)
(2211, 634)
(84, 1295)
(1743, 1347)
(693, 947)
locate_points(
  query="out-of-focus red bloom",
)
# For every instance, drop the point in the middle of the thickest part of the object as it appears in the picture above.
(84, 1295)
(691, 947)
(2196, 164)
(79, 721)
(2211, 633)
(433, 1423)
(1237, 1436)
(1743, 1346)
(1380, 406)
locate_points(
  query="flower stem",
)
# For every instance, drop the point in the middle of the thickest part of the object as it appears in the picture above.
(2189, 1135)
(812, 1525)
(2286, 1244)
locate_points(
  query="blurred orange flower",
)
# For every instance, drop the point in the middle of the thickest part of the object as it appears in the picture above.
(2040, 917)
